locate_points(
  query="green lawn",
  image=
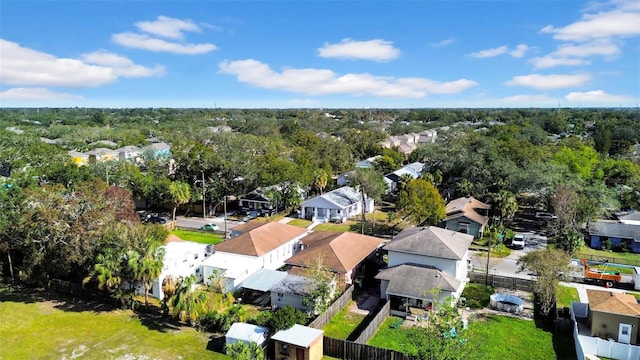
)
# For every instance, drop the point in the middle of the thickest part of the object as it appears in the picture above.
(501, 337)
(565, 295)
(343, 323)
(495, 337)
(32, 327)
(344, 227)
(389, 338)
(198, 236)
(300, 222)
(585, 250)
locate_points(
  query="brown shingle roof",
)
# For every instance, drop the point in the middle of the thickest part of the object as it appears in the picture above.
(613, 302)
(339, 252)
(465, 206)
(261, 240)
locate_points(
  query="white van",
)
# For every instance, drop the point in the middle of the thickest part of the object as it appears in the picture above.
(518, 241)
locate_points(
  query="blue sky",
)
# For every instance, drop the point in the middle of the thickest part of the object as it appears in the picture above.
(320, 54)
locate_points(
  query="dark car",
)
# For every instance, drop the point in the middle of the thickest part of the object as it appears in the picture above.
(154, 219)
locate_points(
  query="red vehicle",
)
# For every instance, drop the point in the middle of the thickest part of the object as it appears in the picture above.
(602, 276)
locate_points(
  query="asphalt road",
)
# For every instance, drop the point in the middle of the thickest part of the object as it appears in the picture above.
(197, 222)
(508, 266)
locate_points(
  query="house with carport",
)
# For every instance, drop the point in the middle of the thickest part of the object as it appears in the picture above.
(421, 259)
(264, 247)
(336, 206)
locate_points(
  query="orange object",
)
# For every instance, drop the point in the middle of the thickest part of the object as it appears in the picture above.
(601, 275)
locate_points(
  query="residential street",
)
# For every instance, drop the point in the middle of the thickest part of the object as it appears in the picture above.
(508, 266)
(196, 222)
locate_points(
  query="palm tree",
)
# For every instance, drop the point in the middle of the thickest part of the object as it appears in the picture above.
(321, 180)
(169, 286)
(145, 264)
(180, 193)
(187, 301)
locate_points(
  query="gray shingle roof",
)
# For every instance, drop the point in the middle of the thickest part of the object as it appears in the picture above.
(416, 281)
(294, 284)
(431, 241)
(615, 229)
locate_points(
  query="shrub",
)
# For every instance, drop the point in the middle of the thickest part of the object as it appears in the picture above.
(286, 317)
(606, 245)
(476, 295)
(500, 250)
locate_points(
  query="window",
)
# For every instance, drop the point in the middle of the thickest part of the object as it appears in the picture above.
(280, 295)
(463, 228)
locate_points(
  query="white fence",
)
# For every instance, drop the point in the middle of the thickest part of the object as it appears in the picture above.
(609, 349)
(595, 345)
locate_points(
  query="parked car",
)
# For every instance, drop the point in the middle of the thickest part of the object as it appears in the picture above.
(250, 216)
(545, 216)
(210, 227)
(154, 219)
(518, 241)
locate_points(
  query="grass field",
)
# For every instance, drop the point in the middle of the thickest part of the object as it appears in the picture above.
(565, 295)
(300, 222)
(343, 323)
(495, 337)
(585, 250)
(33, 326)
(501, 337)
(198, 236)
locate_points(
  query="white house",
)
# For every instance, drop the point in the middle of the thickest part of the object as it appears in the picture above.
(181, 259)
(266, 246)
(393, 179)
(292, 291)
(337, 206)
(430, 256)
(129, 152)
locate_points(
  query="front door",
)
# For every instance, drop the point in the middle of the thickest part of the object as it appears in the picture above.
(624, 335)
(299, 354)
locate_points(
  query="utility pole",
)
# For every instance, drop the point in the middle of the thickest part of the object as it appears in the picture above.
(225, 216)
(204, 191)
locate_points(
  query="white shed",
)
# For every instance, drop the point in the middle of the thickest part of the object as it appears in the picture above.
(246, 333)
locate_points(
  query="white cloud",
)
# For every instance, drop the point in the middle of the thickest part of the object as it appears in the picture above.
(40, 94)
(489, 52)
(520, 51)
(621, 21)
(549, 61)
(531, 99)
(600, 48)
(599, 96)
(167, 27)
(24, 66)
(376, 50)
(444, 42)
(121, 65)
(548, 82)
(323, 82)
(144, 42)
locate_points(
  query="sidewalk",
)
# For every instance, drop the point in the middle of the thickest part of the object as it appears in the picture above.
(582, 289)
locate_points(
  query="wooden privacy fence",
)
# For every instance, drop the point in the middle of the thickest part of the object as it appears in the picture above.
(336, 306)
(348, 350)
(375, 323)
(504, 282)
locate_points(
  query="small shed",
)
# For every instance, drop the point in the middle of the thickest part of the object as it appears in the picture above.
(247, 333)
(298, 343)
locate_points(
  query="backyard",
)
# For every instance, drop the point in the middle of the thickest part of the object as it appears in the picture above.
(495, 337)
(343, 324)
(627, 258)
(38, 325)
(565, 295)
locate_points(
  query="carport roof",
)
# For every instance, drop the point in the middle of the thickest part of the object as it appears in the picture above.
(263, 279)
